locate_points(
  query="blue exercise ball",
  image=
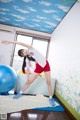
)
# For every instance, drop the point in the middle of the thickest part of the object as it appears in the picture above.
(8, 78)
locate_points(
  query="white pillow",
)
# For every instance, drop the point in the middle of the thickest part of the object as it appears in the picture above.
(39, 86)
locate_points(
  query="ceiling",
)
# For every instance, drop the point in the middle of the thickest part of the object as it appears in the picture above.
(39, 15)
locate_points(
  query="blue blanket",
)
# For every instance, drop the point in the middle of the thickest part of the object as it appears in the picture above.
(54, 108)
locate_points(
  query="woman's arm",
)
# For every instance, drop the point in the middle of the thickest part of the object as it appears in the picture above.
(15, 42)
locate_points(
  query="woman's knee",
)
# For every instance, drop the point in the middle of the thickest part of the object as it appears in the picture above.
(29, 82)
(48, 82)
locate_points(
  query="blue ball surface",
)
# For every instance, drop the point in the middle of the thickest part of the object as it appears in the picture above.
(8, 78)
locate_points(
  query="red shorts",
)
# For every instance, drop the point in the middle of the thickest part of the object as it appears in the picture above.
(40, 69)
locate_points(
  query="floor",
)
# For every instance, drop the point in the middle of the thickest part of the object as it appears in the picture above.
(38, 115)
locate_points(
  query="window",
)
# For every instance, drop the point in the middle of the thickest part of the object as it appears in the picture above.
(40, 44)
(24, 39)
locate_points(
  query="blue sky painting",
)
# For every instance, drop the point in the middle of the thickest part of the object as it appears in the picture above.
(39, 15)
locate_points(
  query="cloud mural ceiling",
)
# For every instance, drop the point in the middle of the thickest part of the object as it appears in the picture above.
(38, 15)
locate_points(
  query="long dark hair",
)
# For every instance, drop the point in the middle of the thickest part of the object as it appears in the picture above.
(24, 65)
(24, 60)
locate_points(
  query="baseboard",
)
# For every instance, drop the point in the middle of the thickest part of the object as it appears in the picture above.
(71, 112)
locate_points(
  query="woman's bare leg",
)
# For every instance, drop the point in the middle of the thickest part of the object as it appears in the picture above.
(30, 80)
(48, 80)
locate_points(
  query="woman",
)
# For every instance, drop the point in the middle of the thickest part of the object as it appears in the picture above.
(42, 65)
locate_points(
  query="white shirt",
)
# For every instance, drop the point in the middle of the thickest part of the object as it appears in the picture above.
(40, 59)
(30, 65)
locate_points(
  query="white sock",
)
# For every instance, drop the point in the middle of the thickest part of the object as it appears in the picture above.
(50, 97)
(21, 92)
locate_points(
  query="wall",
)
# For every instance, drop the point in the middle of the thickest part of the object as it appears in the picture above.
(6, 51)
(64, 58)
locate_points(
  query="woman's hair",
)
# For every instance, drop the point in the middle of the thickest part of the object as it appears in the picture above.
(24, 65)
(30, 58)
(20, 53)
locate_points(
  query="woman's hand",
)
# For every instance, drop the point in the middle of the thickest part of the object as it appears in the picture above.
(5, 42)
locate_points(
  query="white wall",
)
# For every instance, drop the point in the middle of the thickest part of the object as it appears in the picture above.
(64, 57)
(6, 51)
